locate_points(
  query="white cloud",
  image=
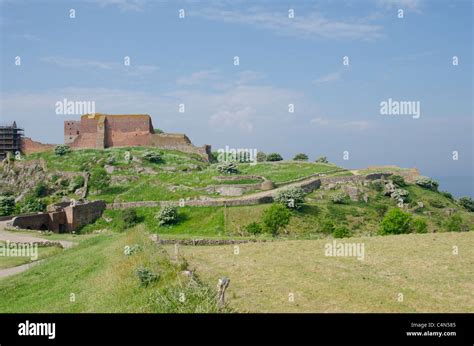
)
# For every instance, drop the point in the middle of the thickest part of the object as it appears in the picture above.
(199, 77)
(133, 70)
(358, 125)
(330, 77)
(313, 25)
(122, 5)
(319, 121)
(414, 5)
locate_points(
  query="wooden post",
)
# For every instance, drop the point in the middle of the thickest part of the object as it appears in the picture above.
(222, 285)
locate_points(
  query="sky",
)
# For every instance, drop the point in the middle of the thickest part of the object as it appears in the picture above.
(334, 61)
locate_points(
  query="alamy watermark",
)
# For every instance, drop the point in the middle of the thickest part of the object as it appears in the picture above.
(237, 155)
(393, 107)
(68, 107)
(338, 249)
(11, 249)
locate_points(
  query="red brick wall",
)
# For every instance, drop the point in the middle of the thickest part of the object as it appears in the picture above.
(72, 129)
(28, 146)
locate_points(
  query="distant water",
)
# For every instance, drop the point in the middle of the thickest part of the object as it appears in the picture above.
(457, 186)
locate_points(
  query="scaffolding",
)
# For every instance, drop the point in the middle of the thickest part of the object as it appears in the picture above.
(10, 140)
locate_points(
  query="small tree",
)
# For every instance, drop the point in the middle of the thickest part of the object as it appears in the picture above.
(41, 189)
(99, 179)
(7, 205)
(275, 218)
(227, 168)
(61, 149)
(395, 222)
(292, 197)
(261, 156)
(300, 157)
(274, 157)
(253, 228)
(152, 157)
(467, 203)
(456, 224)
(167, 215)
(322, 159)
(427, 183)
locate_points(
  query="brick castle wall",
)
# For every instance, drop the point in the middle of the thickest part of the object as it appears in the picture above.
(29, 146)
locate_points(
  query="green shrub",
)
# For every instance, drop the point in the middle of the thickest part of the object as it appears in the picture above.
(292, 197)
(32, 204)
(338, 198)
(61, 149)
(157, 131)
(253, 228)
(427, 183)
(322, 159)
(398, 180)
(436, 203)
(167, 215)
(129, 250)
(455, 224)
(130, 218)
(467, 203)
(300, 157)
(40, 190)
(99, 179)
(261, 156)
(419, 225)
(275, 218)
(327, 226)
(146, 276)
(274, 157)
(153, 157)
(227, 168)
(7, 205)
(341, 232)
(395, 222)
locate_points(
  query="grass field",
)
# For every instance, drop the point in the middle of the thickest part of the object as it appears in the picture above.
(103, 279)
(420, 266)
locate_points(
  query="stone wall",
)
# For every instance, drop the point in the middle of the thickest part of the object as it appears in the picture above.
(83, 214)
(39, 221)
(29, 146)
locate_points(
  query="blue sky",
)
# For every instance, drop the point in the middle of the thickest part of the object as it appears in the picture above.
(282, 61)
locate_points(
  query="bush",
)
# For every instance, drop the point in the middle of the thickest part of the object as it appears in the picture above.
(427, 183)
(436, 203)
(146, 276)
(76, 183)
(395, 222)
(338, 198)
(322, 159)
(152, 157)
(158, 131)
(167, 215)
(341, 232)
(253, 228)
(32, 204)
(274, 157)
(292, 197)
(261, 156)
(300, 157)
(7, 205)
(327, 226)
(99, 179)
(276, 217)
(40, 190)
(455, 224)
(419, 225)
(130, 218)
(467, 203)
(61, 149)
(227, 168)
(398, 180)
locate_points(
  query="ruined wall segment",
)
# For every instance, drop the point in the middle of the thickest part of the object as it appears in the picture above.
(29, 146)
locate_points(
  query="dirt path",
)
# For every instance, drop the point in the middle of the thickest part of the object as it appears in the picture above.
(18, 269)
